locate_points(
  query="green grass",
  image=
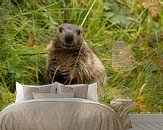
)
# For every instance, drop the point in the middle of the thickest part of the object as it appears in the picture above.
(28, 26)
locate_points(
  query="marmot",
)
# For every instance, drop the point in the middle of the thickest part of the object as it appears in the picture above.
(71, 61)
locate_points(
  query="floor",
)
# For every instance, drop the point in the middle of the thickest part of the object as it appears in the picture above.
(146, 121)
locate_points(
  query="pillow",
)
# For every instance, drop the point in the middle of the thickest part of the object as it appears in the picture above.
(80, 91)
(24, 92)
(50, 95)
(19, 92)
(28, 90)
(91, 92)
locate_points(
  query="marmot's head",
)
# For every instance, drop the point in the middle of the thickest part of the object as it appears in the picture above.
(69, 36)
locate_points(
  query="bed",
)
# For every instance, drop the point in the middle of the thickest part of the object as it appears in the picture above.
(64, 113)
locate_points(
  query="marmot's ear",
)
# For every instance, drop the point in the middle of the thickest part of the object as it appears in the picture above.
(81, 28)
(79, 31)
(60, 29)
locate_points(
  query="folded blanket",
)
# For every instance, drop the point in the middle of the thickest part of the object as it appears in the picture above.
(122, 107)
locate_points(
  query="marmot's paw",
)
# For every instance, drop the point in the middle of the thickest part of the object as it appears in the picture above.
(59, 75)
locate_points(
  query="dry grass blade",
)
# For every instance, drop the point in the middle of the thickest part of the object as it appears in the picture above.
(88, 13)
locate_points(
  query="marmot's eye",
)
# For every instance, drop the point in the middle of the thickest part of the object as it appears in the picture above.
(78, 31)
(60, 29)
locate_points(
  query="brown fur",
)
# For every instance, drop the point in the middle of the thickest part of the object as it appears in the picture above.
(82, 64)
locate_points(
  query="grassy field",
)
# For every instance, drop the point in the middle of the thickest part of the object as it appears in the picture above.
(26, 27)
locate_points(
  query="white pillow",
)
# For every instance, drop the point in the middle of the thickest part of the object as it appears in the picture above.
(92, 92)
(20, 92)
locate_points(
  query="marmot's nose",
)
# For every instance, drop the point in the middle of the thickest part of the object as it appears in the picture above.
(69, 37)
